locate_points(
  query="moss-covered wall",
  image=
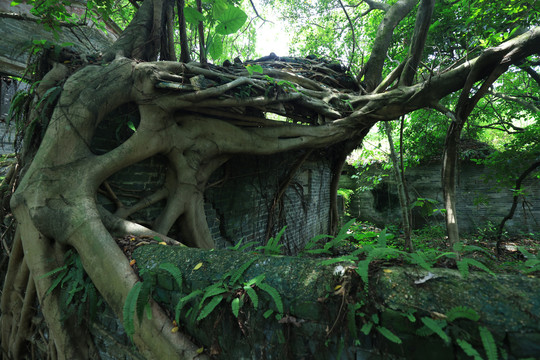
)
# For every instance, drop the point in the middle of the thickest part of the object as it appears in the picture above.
(326, 311)
(479, 200)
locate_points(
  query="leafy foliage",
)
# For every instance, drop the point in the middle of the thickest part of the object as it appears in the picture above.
(78, 294)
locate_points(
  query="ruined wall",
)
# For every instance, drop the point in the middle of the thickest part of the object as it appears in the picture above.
(479, 201)
(238, 207)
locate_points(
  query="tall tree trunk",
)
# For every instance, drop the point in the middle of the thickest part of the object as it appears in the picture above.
(448, 178)
(202, 47)
(401, 190)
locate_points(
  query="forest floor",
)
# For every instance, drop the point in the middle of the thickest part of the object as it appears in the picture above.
(520, 254)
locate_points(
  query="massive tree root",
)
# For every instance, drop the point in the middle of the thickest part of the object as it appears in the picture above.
(55, 202)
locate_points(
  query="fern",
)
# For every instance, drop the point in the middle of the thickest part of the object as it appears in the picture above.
(389, 334)
(366, 328)
(363, 270)
(241, 270)
(273, 247)
(144, 297)
(252, 295)
(462, 312)
(463, 267)
(240, 247)
(313, 242)
(213, 290)
(468, 349)
(174, 271)
(436, 327)
(235, 306)
(129, 309)
(489, 343)
(274, 294)
(420, 259)
(207, 310)
(183, 301)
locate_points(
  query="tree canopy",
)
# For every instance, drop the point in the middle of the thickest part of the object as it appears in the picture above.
(400, 57)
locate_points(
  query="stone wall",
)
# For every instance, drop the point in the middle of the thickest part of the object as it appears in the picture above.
(479, 201)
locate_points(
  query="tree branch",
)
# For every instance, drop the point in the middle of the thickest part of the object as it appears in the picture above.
(372, 72)
(423, 20)
(352, 32)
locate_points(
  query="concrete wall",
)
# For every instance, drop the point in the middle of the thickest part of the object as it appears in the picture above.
(478, 202)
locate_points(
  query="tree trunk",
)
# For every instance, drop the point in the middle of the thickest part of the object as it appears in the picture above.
(401, 190)
(448, 179)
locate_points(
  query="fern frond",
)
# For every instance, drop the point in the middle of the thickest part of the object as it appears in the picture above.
(207, 310)
(463, 268)
(143, 298)
(477, 264)
(235, 306)
(436, 327)
(274, 294)
(183, 301)
(174, 271)
(468, 349)
(363, 270)
(54, 271)
(241, 270)
(424, 331)
(489, 343)
(212, 290)
(366, 328)
(389, 334)
(314, 240)
(129, 309)
(462, 312)
(252, 295)
(419, 259)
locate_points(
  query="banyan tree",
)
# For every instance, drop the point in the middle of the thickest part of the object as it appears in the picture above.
(196, 116)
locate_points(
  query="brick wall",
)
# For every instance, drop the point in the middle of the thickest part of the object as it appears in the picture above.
(239, 206)
(478, 200)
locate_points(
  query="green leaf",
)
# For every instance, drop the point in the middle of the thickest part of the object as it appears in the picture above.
(210, 307)
(366, 328)
(131, 126)
(174, 271)
(215, 46)
(129, 309)
(419, 259)
(462, 312)
(476, 263)
(241, 270)
(183, 301)
(143, 297)
(274, 294)
(15, 3)
(436, 328)
(254, 69)
(388, 334)
(231, 21)
(193, 16)
(148, 309)
(52, 272)
(252, 295)
(468, 349)
(267, 313)
(489, 343)
(235, 306)
(212, 290)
